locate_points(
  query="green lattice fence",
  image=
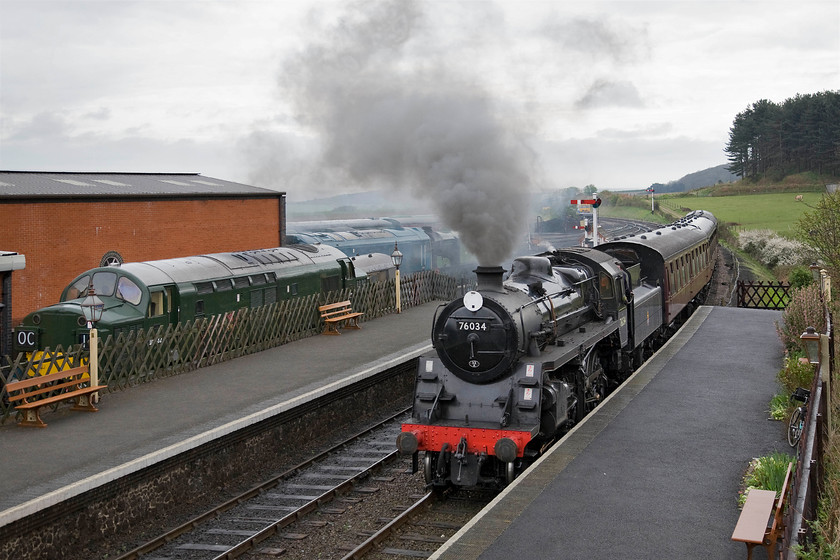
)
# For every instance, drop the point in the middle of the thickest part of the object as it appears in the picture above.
(141, 356)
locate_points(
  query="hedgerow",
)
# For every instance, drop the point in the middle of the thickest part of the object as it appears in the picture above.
(772, 250)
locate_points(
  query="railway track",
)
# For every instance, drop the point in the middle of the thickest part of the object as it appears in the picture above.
(616, 227)
(610, 228)
(289, 506)
(423, 527)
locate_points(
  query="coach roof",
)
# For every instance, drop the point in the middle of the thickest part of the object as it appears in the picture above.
(37, 184)
(674, 239)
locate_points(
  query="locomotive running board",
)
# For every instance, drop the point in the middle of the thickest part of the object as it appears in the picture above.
(569, 346)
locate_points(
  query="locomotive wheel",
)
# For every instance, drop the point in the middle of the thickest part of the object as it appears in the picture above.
(428, 468)
(638, 357)
(583, 389)
(510, 471)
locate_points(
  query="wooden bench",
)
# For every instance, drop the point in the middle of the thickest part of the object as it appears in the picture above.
(339, 314)
(37, 392)
(761, 520)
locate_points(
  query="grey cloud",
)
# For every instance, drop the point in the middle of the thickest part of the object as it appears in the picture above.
(604, 93)
(47, 124)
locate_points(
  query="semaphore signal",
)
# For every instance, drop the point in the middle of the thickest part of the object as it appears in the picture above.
(594, 203)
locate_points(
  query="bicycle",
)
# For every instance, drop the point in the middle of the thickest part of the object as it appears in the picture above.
(797, 419)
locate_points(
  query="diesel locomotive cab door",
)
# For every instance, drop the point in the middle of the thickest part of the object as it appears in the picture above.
(159, 309)
(348, 273)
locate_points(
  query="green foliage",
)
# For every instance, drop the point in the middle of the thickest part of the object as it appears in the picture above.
(820, 229)
(795, 373)
(766, 473)
(803, 310)
(800, 277)
(779, 406)
(772, 140)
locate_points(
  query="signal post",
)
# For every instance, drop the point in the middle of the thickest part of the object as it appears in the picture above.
(594, 203)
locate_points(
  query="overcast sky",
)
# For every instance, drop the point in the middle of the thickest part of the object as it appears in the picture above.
(316, 97)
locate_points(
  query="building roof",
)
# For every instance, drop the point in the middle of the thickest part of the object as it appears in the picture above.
(36, 184)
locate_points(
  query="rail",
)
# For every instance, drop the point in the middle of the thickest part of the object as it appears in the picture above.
(271, 528)
(379, 536)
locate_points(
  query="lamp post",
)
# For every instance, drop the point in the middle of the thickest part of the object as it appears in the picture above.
(92, 308)
(396, 258)
(817, 347)
(815, 271)
(811, 338)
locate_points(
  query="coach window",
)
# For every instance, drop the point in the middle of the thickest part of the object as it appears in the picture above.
(676, 265)
(679, 273)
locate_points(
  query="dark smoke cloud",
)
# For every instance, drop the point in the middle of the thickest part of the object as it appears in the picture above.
(385, 118)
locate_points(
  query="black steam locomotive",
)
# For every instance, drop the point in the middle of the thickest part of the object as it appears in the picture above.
(520, 360)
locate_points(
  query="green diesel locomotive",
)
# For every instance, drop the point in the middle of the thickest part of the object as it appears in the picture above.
(141, 295)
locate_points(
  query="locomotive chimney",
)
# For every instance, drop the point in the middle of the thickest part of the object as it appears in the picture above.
(490, 278)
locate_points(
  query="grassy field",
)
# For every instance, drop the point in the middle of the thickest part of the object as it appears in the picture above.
(778, 212)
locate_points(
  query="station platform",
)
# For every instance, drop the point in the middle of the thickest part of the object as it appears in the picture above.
(149, 423)
(654, 472)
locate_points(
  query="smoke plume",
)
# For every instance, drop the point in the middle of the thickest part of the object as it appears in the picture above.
(386, 116)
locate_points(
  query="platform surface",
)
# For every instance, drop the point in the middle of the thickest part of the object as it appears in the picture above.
(654, 472)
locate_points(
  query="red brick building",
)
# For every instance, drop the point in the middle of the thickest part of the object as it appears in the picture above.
(66, 223)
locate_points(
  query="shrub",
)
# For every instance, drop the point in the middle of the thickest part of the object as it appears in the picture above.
(803, 310)
(795, 373)
(800, 277)
(773, 250)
